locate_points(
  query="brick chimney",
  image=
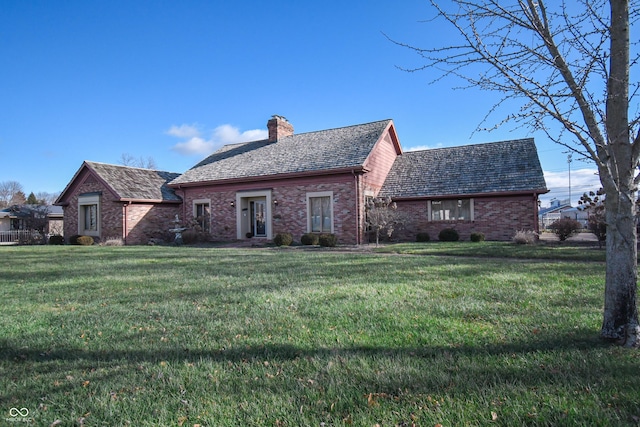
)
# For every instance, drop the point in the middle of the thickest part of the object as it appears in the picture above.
(279, 127)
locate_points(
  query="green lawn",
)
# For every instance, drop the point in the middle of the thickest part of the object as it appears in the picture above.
(149, 336)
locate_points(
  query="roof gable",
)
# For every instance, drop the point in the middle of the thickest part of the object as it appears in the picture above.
(129, 183)
(326, 150)
(506, 166)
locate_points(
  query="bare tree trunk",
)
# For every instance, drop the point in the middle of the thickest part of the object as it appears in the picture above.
(620, 321)
(575, 70)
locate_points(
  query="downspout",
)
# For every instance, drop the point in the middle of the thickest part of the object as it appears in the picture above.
(358, 231)
(536, 214)
(184, 203)
(182, 195)
(125, 221)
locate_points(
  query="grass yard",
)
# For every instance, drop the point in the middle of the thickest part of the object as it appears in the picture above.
(165, 336)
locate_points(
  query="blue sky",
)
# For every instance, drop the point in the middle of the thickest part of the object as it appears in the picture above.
(92, 80)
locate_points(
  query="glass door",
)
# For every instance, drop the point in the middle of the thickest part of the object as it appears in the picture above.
(259, 218)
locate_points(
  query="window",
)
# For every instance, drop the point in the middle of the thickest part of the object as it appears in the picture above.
(202, 214)
(319, 207)
(89, 214)
(451, 210)
(90, 217)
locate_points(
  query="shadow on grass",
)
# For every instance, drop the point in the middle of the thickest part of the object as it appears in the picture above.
(577, 357)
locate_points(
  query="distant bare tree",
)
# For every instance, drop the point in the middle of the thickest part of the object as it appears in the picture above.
(18, 198)
(568, 63)
(8, 192)
(127, 159)
(46, 198)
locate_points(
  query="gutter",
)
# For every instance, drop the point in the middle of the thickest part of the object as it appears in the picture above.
(467, 195)
(251, 179)
(358, 231)
(125, 221)
(130, 201)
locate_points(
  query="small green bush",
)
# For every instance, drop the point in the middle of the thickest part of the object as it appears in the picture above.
(283, 239)
(477, 237)
(423, 237)
(73, 240)
(309, 239)
(327, 240)
(56, 240)
(84, 240)
(449, 235)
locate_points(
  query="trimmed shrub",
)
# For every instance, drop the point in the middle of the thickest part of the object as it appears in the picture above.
(423, 237)
(449, 235)
(191, 237)
(477, 237)
(565, 228)
(327, 240)
(56, 240)
(84, 240)
(73, 240)
(525, 237)
(283, 239)
(309, 239)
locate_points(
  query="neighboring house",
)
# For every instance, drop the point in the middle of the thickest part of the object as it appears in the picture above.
(18, 220)
(108, 201)
(562, 209)
(319, 182)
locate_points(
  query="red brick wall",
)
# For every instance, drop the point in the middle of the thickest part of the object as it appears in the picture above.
(144, 221)
(223, 215)
(290, 216)
(147, 221)
(379, 162)
(110, 209)
(290, 213)
(497, 217)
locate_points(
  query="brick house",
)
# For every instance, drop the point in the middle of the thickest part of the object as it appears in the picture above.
(490, 188)
(105, 201)
(319, 182)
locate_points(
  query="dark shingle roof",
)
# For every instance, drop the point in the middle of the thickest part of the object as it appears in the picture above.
(507, 166)
(135, 183)
(306, 152)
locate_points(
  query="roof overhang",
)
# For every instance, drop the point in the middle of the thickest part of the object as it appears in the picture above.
(158, 201)
(276, 177)
(474, 195)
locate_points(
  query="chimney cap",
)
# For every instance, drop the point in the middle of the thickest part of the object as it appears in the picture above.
(279, 117)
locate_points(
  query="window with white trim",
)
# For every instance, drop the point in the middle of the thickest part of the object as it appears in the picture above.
(202, 214)
(451, 210)
(320, 212)
(89, 215)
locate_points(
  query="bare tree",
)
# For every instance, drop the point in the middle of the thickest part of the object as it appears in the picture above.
(8, 192)
(127, 159)
(46, 198)
(382, 216)
(567, 65)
